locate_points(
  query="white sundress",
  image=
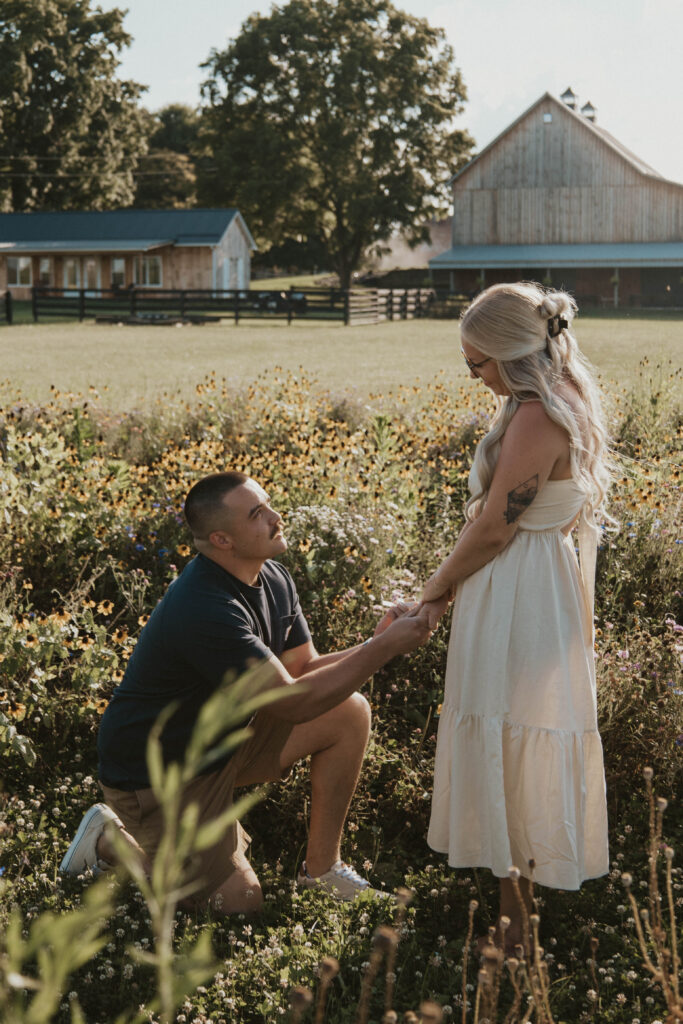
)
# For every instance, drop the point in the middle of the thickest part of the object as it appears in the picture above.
(519, 771)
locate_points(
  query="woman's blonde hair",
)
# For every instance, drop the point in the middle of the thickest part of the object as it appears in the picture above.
(527, 330)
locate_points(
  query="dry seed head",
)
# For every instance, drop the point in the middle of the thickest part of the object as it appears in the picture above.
(431, 1013)
(534, 920)
(384, 939)
(300, 997)
(410, 1018)
(329, 968)
(532, 864)
(504, 922)
(669, 852)
(594, 944)
(491, 954)
(514, 873)
(473, 906)
(404, 896)
(645, 914)
(627, 880)
(390, 1017)
(662, 804)
(647, 774)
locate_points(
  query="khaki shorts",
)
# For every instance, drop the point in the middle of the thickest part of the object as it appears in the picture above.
(257, 760)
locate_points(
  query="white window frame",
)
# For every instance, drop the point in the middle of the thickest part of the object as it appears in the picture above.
(142, 271)
(77, 264)
(91, 288)
(118, 267)
(19, 264)
(46, 266)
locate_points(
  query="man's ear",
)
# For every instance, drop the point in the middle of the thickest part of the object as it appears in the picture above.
(221, 540)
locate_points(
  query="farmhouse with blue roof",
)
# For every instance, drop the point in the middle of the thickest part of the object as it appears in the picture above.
(115, 249)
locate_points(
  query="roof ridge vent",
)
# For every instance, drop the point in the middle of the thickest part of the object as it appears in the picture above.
(589, 111)
(569, 98)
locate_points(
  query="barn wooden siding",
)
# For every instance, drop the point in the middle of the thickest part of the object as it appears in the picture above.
(560, 182)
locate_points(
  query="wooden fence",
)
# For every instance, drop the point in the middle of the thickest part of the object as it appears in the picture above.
(165, 306)
(6, 312)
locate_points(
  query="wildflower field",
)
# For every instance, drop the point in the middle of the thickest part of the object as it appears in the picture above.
(372, 493)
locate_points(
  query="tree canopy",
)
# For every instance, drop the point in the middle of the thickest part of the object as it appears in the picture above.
(166, 176)
(71, 131)
(333, 119)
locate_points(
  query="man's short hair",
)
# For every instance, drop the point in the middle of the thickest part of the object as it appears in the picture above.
(205, 501)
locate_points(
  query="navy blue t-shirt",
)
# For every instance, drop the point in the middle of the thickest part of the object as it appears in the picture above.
(207, 624)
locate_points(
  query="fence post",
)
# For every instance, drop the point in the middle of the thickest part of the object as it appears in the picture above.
(9, 312)
(133, 302)
(182, 304)
(347, 308)
(390, 304)
(81, 304)
(289, 304)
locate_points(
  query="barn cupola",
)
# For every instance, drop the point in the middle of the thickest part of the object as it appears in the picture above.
(589, 111)
(569, 97)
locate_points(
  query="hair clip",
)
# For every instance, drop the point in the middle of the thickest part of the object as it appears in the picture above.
(556, 325)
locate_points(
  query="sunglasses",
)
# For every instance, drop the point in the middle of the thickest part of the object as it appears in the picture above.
(473, 367)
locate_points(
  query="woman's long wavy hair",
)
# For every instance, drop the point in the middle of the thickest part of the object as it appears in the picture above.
(518, 326)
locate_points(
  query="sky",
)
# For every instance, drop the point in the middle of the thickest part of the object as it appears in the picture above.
(622, 55)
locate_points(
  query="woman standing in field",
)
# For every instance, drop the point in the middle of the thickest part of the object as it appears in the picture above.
(519, 777)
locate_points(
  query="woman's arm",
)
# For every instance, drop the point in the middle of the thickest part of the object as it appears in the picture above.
(531, 446)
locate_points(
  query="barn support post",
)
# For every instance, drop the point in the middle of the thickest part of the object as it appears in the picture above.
(81, 304)
(347, 308)
(182, 304)
(289, 304)
(133, 302)
(615, 286)
(34, 303)
(8, 306)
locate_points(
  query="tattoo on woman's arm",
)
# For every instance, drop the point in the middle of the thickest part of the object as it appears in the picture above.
(520, 498)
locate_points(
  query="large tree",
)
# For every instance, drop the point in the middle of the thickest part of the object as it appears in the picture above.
(71, 131)
(166, 177)
(333, 119)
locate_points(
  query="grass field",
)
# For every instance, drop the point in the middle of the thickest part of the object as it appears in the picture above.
(131, 365)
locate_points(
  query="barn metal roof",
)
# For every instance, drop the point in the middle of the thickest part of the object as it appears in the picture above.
(96, 231)
(623, 254)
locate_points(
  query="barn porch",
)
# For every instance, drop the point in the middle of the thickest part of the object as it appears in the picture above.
(628, 274)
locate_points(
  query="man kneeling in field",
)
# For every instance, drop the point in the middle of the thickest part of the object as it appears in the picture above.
(230, 605)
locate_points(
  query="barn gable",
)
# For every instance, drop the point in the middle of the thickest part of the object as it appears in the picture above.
(552, 146)
(555, 195)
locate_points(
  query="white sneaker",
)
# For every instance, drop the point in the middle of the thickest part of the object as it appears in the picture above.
(341, 881)
(82, 854)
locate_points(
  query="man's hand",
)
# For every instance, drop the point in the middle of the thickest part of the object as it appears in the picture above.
(397, 611)
(407, 632)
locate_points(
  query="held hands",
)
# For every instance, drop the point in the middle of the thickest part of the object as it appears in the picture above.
(433, 611)
(407, 632)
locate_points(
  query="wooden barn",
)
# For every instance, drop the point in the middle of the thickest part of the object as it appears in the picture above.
(208, 249)
(556, 198)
